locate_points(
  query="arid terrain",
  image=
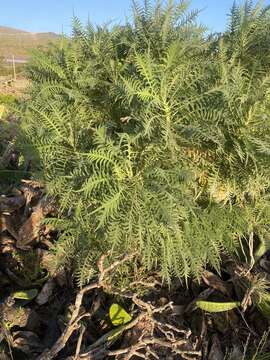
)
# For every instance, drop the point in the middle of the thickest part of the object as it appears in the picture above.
(18, 43)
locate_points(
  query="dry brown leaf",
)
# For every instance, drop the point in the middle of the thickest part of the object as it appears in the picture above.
(216, 283)
(11, 204)
(33, 183)
(27, 341)
(216, 351)
(178, 309)
(45, 292)
(30, 229)
(6, 224)
(61, 278)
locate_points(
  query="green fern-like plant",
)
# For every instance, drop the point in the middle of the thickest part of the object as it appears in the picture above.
(153, 140)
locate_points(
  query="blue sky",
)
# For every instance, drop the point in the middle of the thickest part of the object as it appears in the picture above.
(55, 15)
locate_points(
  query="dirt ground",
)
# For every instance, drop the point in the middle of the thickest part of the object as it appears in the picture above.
(9, 86)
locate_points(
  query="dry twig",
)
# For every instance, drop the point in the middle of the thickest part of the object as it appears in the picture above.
(158, 334)
(73, 323)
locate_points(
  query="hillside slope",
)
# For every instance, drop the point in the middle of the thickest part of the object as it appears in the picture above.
(18, 42)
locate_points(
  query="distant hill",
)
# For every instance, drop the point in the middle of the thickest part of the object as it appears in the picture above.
(18, 42)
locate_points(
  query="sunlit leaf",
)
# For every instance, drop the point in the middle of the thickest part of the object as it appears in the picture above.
(118, 315)
(214, 307)
(25, 294)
